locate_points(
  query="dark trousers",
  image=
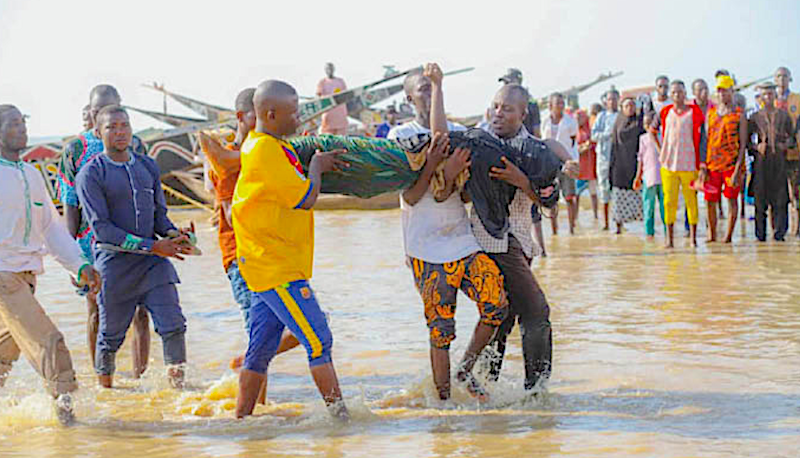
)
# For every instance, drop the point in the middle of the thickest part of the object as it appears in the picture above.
(528, 306)
(771, 190)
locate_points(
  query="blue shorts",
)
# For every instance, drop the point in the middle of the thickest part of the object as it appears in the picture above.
(241, 293)
(291, 305)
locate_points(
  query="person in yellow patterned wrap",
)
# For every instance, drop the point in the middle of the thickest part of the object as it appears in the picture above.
(274, 228)
(441, 248)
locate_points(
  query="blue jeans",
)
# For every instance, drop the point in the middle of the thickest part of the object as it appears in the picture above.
(241, 293)
(116, 315)
(292, 306)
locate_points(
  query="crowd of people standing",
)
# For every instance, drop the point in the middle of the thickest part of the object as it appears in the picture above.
(642, 150)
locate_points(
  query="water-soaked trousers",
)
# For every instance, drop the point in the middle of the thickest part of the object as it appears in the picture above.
(529, 307)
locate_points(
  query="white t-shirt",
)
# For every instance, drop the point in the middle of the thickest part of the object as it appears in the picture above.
(563, 132)
(434, 232)
(658, 105)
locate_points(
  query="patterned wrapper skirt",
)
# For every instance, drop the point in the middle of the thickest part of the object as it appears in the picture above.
(627, 205)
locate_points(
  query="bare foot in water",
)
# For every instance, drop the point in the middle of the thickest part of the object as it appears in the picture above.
(176, 377)
(473, 387)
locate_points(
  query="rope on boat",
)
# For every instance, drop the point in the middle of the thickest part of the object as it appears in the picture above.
(186, 198)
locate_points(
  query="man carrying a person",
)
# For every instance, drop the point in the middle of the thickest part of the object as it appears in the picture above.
(514, 250)
(225, 168)
(439, 243)
(274, 229)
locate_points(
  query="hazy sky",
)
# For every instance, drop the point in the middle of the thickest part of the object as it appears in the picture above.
(53, 52)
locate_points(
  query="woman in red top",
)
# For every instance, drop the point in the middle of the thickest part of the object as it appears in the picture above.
(588, 157)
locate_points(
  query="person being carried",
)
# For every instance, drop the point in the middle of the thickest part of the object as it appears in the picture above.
(274, 228)
(76, 154)
(125, 206)
(225, 168)
(31, 228)
(439, 244)
(723, 171)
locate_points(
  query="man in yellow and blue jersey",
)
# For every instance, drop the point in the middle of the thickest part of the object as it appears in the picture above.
(274, 228)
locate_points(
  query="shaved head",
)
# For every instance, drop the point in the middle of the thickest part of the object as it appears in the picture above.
(276, 108)
(418, 93)
(410, 81)
(5, 109)
(509, 108)
(101, 96)
(271, 93)
(516, 93)
(244, 101)
(104, 91)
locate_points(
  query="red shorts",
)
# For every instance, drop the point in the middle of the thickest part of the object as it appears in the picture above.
(719, 180)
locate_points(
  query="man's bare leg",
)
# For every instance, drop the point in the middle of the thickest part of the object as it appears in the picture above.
(577, 206)
(176, 377)
(605, 214)
(742, 202)
(693, 234)
(249, 386)
(482, 335)
(712, 221)
(733, 212)
(670, 236)
(554, 223)
(92, 324)
(440, 366)
(140, 345)
(538, 236)
(105, 381)
(572, 214)
(594, 205)
(328, 385)
(288, 341)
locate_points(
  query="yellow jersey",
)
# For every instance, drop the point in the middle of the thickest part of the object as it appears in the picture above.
(274, 236)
